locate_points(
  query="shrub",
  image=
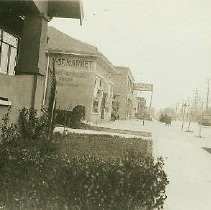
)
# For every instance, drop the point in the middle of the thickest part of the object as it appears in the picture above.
(78, 114)
(28, 161)
(34, 175)
(31, 126)
(135, 181)
(8, 131)
(164, 118)
(72, 118)
(62, 117)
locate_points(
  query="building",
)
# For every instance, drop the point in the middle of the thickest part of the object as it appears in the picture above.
(83, 76)
(124, 101)
(23, 42)
(141, 107)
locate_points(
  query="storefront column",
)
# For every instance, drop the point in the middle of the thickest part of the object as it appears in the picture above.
(32, 58)
(32, 55)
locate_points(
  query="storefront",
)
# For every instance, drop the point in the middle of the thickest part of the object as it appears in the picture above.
(23, 42)
(83, 77)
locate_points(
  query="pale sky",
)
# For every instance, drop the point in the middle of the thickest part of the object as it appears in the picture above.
(165, 42)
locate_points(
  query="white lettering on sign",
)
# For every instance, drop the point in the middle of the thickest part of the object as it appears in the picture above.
(64, 73)
(73, 62)
(70, 78)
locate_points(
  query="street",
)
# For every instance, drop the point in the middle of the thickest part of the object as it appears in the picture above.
(187, 165)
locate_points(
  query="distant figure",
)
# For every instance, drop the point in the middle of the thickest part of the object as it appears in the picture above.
(143, 122)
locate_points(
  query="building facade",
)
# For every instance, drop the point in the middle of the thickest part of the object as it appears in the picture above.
(23, 42)
(124, 101)
(83, 77)
(141, 107)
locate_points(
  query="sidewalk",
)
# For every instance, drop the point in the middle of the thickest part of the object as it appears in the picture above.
(187, 165)
(132, 125)
(205, 141)
(107, 131)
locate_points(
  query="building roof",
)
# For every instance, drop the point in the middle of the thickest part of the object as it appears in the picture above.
(61, 42)
(124, 70)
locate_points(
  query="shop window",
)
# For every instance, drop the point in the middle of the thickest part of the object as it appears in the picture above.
(8, 52)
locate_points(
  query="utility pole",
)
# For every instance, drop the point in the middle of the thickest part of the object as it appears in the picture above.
(208, 92)
(196, 105)
(190, 116)
(150, 105)
(189, 111)
(184, 106)
(200, 123)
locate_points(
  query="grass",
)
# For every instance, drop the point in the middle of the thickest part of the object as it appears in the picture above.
(101, 145)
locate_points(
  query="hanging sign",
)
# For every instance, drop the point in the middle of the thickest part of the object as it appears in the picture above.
(142, 87)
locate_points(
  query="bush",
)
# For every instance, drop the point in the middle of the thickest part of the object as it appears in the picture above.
(88, 182)
(62, 117)
(72, 118)
(78, 114)
(164, 118)
(135, 181)
(27, 161)
(31, 126)
(34, 175)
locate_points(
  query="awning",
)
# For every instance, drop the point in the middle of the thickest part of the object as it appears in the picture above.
(52, 8)
(66, 9)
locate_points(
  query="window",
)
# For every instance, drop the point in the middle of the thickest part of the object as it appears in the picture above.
(109, 96)
(4, 102)
(98, 93)
(130, 85)
(95, 105)
(8, 52)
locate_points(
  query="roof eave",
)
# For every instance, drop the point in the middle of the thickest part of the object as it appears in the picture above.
(70, 52)
(66, 9)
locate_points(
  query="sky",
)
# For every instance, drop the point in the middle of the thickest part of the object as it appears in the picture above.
(164, 42)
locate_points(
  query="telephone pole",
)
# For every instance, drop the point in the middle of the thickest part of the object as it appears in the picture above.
(195, 105)
(208, 92)
(200, 123)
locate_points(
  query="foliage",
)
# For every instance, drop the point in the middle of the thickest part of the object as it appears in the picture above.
(25, 155)
(164, 118)
(78, 114)
(135, 181)
(8, 131)
(34, 175)
(29, 136)
(62, 117)
(31, 126)
(72, 118)
(103, 145)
